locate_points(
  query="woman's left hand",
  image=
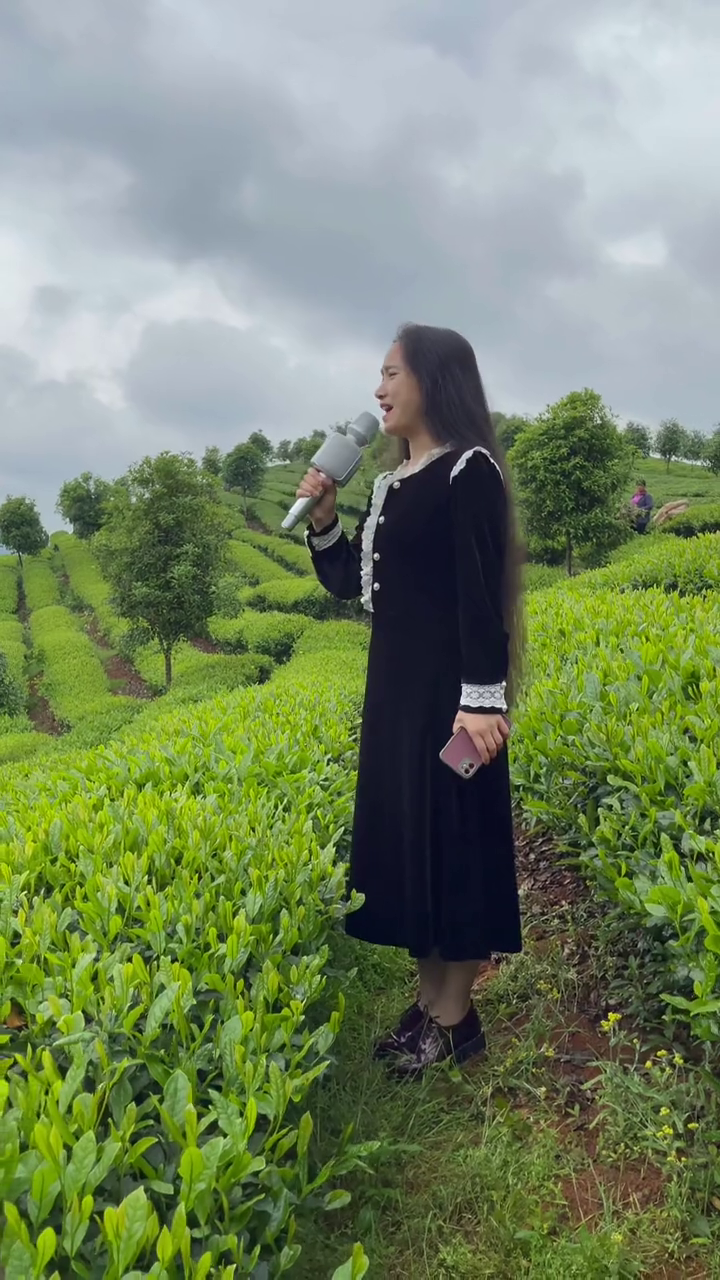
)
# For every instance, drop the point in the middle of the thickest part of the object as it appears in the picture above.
(488, 732)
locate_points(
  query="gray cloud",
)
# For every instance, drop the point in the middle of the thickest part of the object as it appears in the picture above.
(501, 168)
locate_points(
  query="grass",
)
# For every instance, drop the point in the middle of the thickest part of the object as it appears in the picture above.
(500, 1172)
(683, 480)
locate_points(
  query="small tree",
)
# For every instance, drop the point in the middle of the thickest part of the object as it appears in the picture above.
(244, 470)
(283, 451)
(639, 438)
(21, 528)
(265, 447)
(305, 447)
(697, 443)
(570, 466)
(712, 452)
(212, 460)
(508, 428)
(83, 503)
(671, 440)
(162, 549)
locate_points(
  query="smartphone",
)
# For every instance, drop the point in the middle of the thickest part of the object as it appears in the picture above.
(461, 755)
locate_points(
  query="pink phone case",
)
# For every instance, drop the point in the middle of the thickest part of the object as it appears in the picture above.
(460, 754)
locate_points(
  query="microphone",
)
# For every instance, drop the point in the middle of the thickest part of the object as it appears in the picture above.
(338, 458)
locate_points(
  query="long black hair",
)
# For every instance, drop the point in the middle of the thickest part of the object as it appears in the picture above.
(444, 365)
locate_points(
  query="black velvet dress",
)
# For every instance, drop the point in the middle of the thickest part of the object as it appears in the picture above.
(432, 853)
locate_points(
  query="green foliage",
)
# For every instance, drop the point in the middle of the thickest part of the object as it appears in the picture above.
(21, 528)
(254, 566)
(212, 460)
(41, 584)
(199, 675)
(163, 549)
(290, 595)
(616, 751)
(73, 677)
(639, 438)
(173, 903)
(287, 553)
(274, 634)
(712, 452)
(12, 697)
(13, 646)
(697, 443)
(83, 503)
(570, 466)
(260, 441)
(89, 587)
(704, 518)
(671, 441)
(244, 470)
(509, 428)
(9, 581)
(688, 568)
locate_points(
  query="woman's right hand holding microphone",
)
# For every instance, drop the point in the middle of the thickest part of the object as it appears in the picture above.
(315, 485)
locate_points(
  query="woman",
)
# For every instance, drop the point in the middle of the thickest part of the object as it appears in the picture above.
(434, 563)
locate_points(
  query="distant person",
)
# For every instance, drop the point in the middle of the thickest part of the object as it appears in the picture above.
(643, 503)
(434, 562)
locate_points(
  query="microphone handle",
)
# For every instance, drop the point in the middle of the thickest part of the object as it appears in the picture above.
(300, 510)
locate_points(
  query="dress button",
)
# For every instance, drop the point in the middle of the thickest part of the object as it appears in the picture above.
(381, 520)
(376, 586)
(396, 484)
(376, 556)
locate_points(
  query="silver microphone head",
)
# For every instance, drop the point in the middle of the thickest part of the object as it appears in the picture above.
(364, 429)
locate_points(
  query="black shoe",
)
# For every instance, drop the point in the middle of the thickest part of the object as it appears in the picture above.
(436, 1045)
(404, 1038)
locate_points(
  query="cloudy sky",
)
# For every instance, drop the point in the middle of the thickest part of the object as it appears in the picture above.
(214, 213)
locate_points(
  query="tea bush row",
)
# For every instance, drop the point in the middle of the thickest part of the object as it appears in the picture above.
(40, 583)
(255, 567)
(688, 568)
(297, 595)
(73, 677)
(165, 910)
(274, 634)
(287, 553)
(704, 518)
(9, 581)
(617, 751)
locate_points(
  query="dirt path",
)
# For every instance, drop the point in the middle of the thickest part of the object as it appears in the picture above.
(128, 683)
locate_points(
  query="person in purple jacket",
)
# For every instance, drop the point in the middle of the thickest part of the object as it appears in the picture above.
(643, 503)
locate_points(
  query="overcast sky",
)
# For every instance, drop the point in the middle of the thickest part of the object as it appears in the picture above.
(215, 213)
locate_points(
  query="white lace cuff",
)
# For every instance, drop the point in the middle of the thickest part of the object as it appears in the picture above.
(483, 697)
(321, 541)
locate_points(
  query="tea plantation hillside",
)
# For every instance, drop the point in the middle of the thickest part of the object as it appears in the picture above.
(187, 1029)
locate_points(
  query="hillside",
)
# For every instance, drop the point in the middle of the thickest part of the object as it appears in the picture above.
(172, 901)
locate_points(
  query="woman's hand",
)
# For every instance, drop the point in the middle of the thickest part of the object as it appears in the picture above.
(488, 732)
(315, 485)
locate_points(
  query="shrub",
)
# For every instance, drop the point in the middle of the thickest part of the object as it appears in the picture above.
(12, 645)
(298, 595)
(41, 585)
(12, 696)
(9, 580)
(176, 895)
(253, 565)
(272, 633)
(287, 553)
(616, 752)
(73, 677)
(704, 518)
(688, 568)
(199, 675)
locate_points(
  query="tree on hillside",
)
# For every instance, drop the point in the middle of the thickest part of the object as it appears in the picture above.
(671, 440)
(212, 460)
(697, 443)
(265, 447)
(570, 466)
(82, 502)
(303, 449)
(244, 470)
(508, 428)
(283, 452)
(21, 528)
(639, 437)
(712, 452)
(163, 549)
